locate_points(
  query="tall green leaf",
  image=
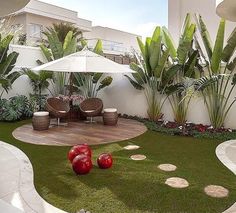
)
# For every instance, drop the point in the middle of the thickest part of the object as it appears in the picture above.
(141, 46)
(67, 40)
(230, 47)
(218, 48)
(205, 37)
(46, 52)
(169, 42)
(55, 45)
(186, 45)
(156, 35)
(155, 53)
(8, 64)
(185, 27)
(162, 63)
(98, 48)
(189, 67)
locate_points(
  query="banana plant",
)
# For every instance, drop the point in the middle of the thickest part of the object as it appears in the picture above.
(151, 72)
(89, 84)
(186, 61)
(218, 85)
(7, 63)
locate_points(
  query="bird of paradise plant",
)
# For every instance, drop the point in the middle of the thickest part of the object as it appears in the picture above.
(185, 59)
(218, 85)
(151, 72)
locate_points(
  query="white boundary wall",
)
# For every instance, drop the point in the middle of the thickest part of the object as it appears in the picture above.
(120, 94)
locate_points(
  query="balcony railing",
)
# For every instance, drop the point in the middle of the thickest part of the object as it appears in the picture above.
(112, 46)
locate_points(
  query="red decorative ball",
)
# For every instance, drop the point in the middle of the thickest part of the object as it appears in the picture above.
(82, 164)
(79, 149)
(104, 161)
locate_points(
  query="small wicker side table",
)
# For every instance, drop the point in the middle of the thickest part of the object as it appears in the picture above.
(110, 116)
(41, 121)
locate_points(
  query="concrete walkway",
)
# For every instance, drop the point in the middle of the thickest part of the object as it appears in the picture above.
(17, 192)
(226, 153)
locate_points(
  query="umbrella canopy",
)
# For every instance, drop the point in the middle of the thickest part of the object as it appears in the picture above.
(84, 61)
(11, 6)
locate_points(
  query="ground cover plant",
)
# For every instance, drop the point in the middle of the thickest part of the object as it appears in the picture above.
(131, 186)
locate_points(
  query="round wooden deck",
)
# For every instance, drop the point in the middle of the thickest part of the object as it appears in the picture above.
(80, 132)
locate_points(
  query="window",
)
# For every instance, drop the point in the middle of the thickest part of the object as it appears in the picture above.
(35, 30)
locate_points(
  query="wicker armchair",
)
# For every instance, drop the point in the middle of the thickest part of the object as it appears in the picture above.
(57, 108)
(91, 107)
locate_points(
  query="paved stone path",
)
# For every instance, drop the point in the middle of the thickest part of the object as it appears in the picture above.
(131, 147)
(176, 182)
(138, 157)
(216, 191)
(167, 167)
(17, 192)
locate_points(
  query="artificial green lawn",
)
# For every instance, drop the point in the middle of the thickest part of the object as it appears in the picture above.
(131, 186)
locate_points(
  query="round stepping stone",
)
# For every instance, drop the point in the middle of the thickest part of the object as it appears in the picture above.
(167, 167)
(176, 182)
(131, 147)
(216, 191)
(138, 157)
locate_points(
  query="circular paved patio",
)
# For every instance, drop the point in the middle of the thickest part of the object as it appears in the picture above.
(80, 132)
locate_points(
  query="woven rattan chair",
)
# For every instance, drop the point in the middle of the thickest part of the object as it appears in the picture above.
(91, 107)
(57, 108)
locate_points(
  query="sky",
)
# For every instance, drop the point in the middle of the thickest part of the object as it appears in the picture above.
(135, 16)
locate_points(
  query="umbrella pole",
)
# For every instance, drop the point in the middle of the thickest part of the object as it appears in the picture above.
(71, 85)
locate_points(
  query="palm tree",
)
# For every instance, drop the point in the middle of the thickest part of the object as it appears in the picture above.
(7, 63)
(62, 30)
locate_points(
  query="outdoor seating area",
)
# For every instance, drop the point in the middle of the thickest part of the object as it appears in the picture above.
(80, 133)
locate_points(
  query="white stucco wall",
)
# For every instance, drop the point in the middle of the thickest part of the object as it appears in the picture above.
(120, 94)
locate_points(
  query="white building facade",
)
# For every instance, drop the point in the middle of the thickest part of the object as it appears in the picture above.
(37, 16)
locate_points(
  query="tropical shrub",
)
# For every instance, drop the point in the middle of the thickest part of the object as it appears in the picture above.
(7, 63)
(39, 81)
(218, 84)
(186, 60)
(151, 73)
(16, 108)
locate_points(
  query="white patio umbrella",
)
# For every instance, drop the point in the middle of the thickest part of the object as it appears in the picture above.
(84, 61)
(11, 6)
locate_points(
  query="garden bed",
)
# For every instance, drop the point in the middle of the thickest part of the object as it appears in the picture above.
(191, 129)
